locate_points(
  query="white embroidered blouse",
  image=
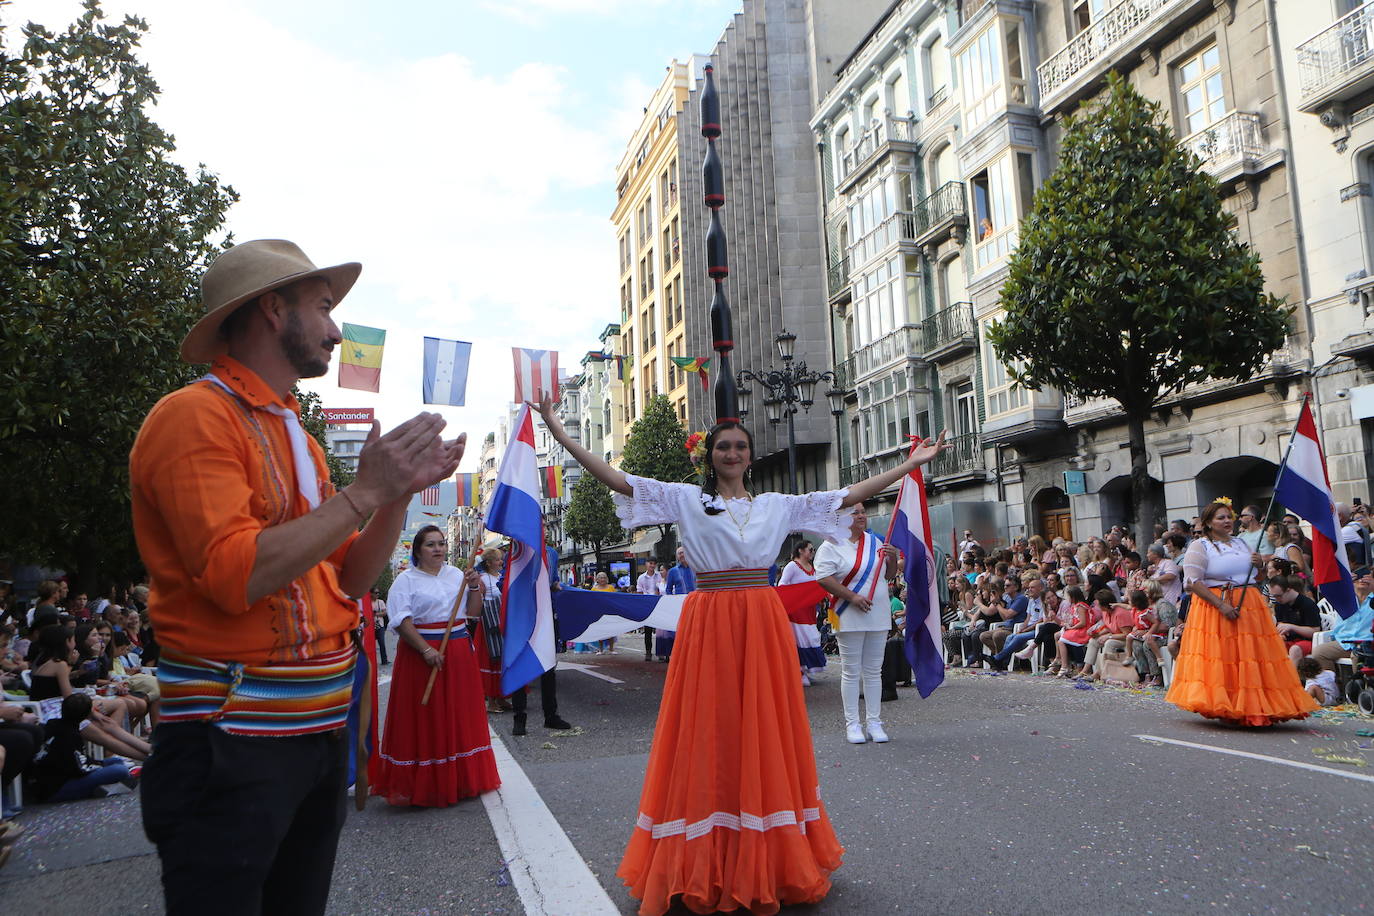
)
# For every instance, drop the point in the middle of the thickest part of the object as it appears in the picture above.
(1216, 564)
(424, 598)
(748, 535)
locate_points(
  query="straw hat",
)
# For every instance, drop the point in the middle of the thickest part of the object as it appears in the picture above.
(245, 272)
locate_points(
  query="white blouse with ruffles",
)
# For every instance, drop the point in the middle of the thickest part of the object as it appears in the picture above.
(1214, 563)
(422, 598)
(747, 536)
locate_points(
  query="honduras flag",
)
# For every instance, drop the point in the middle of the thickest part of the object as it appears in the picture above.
(526, 609)
(1305, 489)
(910, 533)
(445, 379)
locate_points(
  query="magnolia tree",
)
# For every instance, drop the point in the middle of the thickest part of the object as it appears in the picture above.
(1128, 281)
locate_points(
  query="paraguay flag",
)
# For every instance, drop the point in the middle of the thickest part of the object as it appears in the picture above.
(526, 609)
(1305, 489)
(910, 533)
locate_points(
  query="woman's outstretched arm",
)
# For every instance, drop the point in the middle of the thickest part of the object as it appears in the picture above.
(594, 465)
(924, 452)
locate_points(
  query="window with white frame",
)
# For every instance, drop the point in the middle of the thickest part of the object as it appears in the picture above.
(980, 75)
(885, 412)
(994, 194)
(899, 95)
(935, 61)
(877, 296)
(1086, 12)
(868, 212)
(1200, 89)
(1003, 395)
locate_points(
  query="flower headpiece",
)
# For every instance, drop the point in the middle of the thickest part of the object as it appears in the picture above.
(1224, 500)
(696, 452)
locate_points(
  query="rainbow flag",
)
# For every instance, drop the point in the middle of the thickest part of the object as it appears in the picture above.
(360, 362)
(468, 492)
(695, 364)
(551, 481)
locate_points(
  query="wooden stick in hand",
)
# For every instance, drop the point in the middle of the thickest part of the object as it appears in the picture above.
(443, 643)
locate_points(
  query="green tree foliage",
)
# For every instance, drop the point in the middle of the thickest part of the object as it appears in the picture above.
(383, 583)
(656, 448)
(102, 240)
(1128, 282)
(591, 517)
(312, 419)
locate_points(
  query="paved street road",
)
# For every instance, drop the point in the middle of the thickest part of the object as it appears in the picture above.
(997, 795)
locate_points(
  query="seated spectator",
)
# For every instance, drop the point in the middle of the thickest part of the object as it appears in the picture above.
(21, 736)
(1023, 631)
(1115, 621)
(1297, 616)
(1059, 615)
(1353, 629)
(1072, 641)
(959, 615)
(1013, 613)
(988, 608)
(1145, 625)
(52, 682)
(141, 685)
(61, 770)
(93, 643)
(1319, 683)
(1149, 651)
(11, 662)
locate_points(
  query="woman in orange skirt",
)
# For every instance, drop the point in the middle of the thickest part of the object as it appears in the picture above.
(730, 815)
(434, 753)
(1233, 664)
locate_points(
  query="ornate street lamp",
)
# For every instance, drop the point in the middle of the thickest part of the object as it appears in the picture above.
(786, 388)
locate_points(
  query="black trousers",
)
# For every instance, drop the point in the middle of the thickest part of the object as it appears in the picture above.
(648, 640)
(244, 825)
(21, 741)
(548, 695)
(381, 646)
(895, 666)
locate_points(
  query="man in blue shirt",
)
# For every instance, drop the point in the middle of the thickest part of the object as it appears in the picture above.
(681, 578)
(1353, 629)
(1017, 610)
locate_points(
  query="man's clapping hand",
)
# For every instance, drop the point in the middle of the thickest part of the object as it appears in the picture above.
(404, 461)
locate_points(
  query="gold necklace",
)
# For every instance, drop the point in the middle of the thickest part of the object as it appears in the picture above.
(739, 527)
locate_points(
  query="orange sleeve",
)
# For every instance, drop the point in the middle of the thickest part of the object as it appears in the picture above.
(198, 478)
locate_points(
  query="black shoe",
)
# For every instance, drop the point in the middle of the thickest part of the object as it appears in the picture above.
(518, 730)
(889, 695)
(996, 663)
(557, 723)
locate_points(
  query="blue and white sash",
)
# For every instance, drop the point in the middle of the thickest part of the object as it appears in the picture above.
(866, 572)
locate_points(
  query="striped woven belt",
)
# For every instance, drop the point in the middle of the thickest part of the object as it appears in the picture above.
(714, 581)
(434, 632)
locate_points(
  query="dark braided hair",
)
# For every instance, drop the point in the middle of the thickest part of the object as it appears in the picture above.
(709, 483)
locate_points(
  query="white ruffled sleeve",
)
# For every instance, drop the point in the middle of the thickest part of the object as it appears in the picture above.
(653, 502)
(1195, 561)
(819, 514)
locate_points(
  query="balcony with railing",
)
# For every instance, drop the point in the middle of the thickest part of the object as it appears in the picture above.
(1337, 63)
(897, 227)
(942, 214)
(844, 377)
(837, 277)
(964, 456)
(851, 474)
(877, 139)
(1114, 34)
(1233, 146)
(903, 343)
(949, 331)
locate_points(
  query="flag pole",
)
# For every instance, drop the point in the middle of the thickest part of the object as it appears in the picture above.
(1273, 493)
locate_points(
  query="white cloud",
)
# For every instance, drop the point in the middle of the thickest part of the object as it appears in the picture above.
(442, 180)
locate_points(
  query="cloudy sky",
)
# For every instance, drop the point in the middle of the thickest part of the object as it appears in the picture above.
(463, 150)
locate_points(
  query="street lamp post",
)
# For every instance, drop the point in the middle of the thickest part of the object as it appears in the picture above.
(783, 390)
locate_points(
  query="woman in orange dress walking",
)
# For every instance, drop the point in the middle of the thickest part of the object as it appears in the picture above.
(1233, 664)
(730, 815)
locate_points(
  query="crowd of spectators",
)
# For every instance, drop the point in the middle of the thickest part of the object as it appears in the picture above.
(80, 694)
(1113, 609)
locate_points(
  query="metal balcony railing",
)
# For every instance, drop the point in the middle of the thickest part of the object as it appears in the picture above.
(851, 474)
(837, 276)
(943, 209)
(965, 454)
(1236, 138)
(874, 138)
(1341, 52)
(900, 344)
(844, 374)
(949, 328)
(1112, 33)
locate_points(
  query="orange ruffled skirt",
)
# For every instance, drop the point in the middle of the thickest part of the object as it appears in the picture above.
(1237, 670)
(730, 816)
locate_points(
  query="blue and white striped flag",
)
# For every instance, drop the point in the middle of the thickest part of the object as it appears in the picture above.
(446, 371)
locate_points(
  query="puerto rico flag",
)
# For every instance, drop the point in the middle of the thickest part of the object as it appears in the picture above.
(1305, 489)
(526, 608)
(535, 371)
(910, 533)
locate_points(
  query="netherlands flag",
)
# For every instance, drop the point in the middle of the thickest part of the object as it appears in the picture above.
(535, 371)
(1305, 489)
(910, 533)
(526, 608)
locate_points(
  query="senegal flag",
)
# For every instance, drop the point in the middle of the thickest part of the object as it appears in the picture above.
(360, 365)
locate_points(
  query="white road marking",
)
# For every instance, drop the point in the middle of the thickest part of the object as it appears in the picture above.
(587, 669)
(550, 875)
(383, 680)
(1265, 757)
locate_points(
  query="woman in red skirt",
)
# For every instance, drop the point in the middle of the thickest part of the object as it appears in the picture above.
(434, 754)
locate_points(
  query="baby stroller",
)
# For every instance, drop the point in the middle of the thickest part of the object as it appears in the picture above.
(1359, 690)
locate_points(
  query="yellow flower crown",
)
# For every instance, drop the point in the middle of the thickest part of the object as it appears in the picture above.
(1224, 500)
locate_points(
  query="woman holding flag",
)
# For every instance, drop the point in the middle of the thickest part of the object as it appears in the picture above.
(730, 814)
(1233, 664)
(437, 752)
(856, 571)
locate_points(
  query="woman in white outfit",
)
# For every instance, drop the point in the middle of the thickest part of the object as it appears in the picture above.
(856, 572)
(809, 652)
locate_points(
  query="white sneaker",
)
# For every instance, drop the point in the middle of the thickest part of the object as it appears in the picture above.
(806, 681)
(875, 731)
(855, 734)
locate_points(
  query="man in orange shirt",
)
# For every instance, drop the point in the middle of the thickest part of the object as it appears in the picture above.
(255, 560)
